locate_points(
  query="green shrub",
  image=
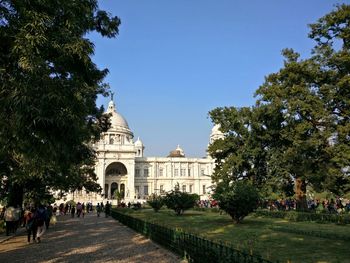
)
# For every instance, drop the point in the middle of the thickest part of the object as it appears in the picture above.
(156, 202)
(306, 216)
(237, 199)
(180, 201)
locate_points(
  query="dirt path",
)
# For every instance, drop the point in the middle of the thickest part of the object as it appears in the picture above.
(89, 239)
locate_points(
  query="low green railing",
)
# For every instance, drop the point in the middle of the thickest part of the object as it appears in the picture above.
(193, 248)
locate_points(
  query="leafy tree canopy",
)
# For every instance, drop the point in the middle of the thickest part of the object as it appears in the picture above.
(48, 91)
(180, 201)
(299, 127)
(238, 199)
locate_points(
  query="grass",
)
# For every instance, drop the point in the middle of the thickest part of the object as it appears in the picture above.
(273, 239)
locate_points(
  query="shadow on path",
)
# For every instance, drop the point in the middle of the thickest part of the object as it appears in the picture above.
(89, 239)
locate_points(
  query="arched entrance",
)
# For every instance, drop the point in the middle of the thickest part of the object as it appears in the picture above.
(116, 169)
(115, 179)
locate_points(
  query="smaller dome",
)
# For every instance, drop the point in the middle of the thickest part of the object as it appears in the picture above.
(178, 152)
(138, 142)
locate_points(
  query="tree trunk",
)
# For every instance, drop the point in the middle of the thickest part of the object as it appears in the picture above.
(300, 194)
(15, 196)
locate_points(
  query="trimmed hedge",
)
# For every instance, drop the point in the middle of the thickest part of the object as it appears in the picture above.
(306, 216)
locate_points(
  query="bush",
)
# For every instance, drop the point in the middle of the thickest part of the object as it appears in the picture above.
(306, 216)
(156, 202)
(180, 201)
(237, 199)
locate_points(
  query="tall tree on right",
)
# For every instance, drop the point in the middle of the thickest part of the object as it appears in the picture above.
(301, 115)
(313, 96)
(332, 53)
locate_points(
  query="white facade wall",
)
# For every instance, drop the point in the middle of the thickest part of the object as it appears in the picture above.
(121, 166)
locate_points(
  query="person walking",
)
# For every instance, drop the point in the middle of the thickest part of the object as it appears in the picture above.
(72, 210)
(98, 209)
(30, 223)
(107, 209)
(10, 216)
(79, 209)
(41, 216)
(49, 211)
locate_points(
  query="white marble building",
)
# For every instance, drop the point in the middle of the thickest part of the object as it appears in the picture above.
(122, 166)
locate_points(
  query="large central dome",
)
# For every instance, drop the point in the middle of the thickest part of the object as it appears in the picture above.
(118, 122)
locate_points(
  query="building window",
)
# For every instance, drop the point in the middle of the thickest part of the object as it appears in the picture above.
(137, 173)
(160, 172)
(202, 172)
(204, 189)
(161, 188)
(183, 172)
(184, 188)
(191, 188)
(176, 172)
(145, 189)
(189, 172)
(145, 172)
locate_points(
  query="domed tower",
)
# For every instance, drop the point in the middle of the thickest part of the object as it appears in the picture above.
(178, 152)
(139, 147)
(216, 133)
(119, 132)
(116, 157)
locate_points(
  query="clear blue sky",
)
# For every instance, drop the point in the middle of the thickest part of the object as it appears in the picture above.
(174, 61)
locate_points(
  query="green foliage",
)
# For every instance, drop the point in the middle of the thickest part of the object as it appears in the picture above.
(237, 199)
(297, 133)
(155, 201)
(180, 201)
(302, 216)
(48, 91)
(118, 195)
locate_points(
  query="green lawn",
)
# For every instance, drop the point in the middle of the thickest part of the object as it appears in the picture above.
(273, 239)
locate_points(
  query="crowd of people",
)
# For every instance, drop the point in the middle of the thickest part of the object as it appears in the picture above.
(207, 203)
(37, 219)
(338, 205)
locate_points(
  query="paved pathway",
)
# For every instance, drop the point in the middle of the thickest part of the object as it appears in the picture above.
(89, 239)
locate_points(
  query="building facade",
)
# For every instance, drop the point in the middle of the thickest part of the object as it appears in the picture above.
(121, 166)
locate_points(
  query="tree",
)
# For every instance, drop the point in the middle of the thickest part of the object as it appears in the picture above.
(156, 202)
(118, 195)
(180, 201)
(299, 127)
(301, 149)
(48, 91)
(332, 53)
(238, 199)
(242, 153)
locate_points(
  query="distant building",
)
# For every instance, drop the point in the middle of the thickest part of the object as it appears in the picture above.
(121, 166)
